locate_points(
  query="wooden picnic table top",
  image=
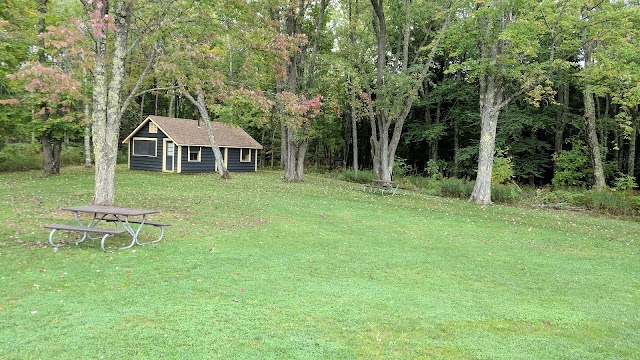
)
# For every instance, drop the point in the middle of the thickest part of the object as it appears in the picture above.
(114, 210)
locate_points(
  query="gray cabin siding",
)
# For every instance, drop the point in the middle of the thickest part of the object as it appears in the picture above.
(206, 164)
(147, 162)
(235, 165)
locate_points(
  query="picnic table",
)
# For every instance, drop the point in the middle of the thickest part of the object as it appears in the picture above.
(382, 186)
(127, 220)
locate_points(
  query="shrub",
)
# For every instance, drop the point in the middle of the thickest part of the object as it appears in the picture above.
(505, 194)
(21, 157)
(456, 188)
(400, 167)
(421, 183)
(610, 202)
(574, 166)
(502, 168)
(72, 155)
(560, 196)
(435, 168)
(624, 182)
(361, 177)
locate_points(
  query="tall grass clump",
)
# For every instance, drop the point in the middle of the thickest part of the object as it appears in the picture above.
(360, 177)
(610, 202)
(456, 188)
(22, 157)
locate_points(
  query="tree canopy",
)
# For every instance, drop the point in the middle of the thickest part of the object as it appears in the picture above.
(496, 91)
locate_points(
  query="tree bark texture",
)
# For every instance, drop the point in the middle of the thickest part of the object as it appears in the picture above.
(491, 102)
(591, 136)
(107, 88)
(354, 129)
(589, 116)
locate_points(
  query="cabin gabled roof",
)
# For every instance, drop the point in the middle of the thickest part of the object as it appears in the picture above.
(193, 133)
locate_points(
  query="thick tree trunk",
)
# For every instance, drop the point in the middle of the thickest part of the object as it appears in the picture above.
(51, 160)
(107, 101)
(294, 167)
(491, 102)
(591, 136)
(589, 117)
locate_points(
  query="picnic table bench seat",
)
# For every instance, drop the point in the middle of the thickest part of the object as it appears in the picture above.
(82, 229)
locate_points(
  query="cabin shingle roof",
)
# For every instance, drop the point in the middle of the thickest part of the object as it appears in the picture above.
(187, 132)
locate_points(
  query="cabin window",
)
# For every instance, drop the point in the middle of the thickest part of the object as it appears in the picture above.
(245, 155)
(194, 153)
(144, 147)
(153, 128)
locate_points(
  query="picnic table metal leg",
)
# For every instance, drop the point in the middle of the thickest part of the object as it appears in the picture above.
(153, 241)
(51, 237)
(134, 234)
(84, 237)
(103, 240)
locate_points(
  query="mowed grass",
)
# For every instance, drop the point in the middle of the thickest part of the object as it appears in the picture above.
(258, 268)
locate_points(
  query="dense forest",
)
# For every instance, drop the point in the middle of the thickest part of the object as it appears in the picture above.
(531, 92)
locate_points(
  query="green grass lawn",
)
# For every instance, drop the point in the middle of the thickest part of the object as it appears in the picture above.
(257, 268)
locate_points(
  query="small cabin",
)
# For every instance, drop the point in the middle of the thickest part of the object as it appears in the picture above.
(165, 144)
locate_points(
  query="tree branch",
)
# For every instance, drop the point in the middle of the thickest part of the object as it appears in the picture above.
(152, 58)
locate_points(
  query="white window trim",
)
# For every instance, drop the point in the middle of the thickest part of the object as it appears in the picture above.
(245, 161)
(199, 154)
(153, 128)
(133, 146)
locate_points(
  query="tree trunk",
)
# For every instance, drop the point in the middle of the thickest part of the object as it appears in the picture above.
(284, 149)
(591, 136)
(563, 99)
(384, 144)
(456, 148)
(107, 115)
(51, 164)
(354, 128)
(172, 102)
(491, 100)
(87, 138)
(294, 138)
(589, 117)
(631, 167)
(201, 105)
(294, 167)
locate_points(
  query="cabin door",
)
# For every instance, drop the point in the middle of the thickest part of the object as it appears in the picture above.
(167, 158)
